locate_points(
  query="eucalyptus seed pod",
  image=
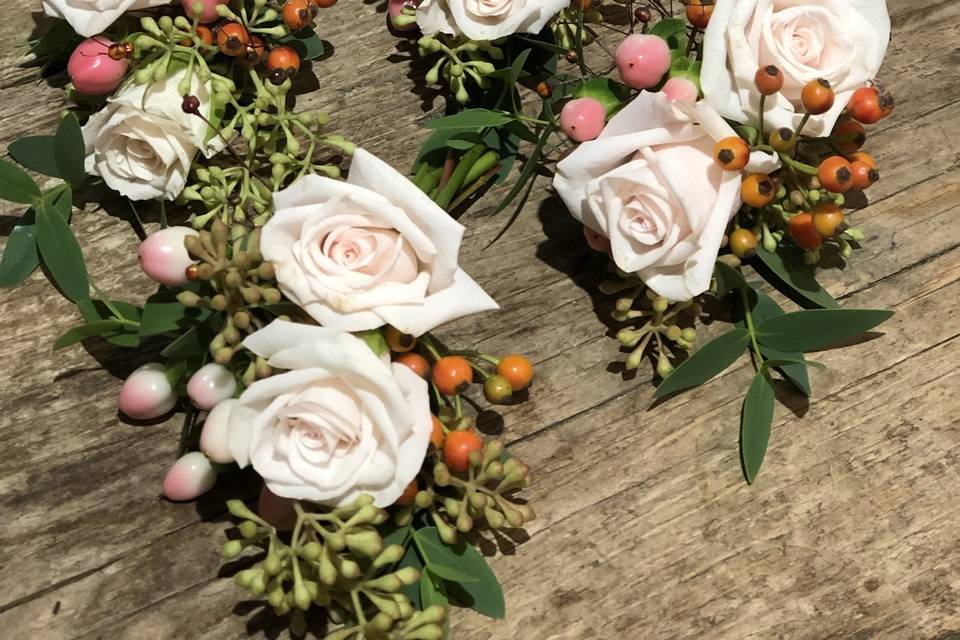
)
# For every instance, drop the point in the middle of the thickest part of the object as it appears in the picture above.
(388, 583)
(273, 563)
(231, 549)
(219, 302)
(231, 335)
(478, 500)
(381, 622)
(447, 533)
(251, 295)
(494, 470)
(259, 584)
(248, 528)
(365, 543)
(326, 570)
(266, 271)
(634, 360)
(441, 474)
(263, 369)
(389, 555)
(271, 295)
(311, 551)
(336, 540)
(245, 578)
(386, 605)
(493, 517)
(452, 506)
(189, 299)
(241, 320)
(424, 498)
(464, 522)
(205, 272)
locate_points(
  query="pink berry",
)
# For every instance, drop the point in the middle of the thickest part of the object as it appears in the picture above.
(163, 256)
(276, 510)
(147, 393)
(209, 13)
(215, 436)
(582, 119)
(395, 7)
(680, 90)
(189, 477)
(211, 385)
(642, 59)
(596, 240)
(92, 70)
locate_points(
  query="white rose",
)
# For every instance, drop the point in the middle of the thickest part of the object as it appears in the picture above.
(486, 19)
(841, 41)
(339, 423)
(142, 143)
(90, 17)
(369, 251)
(649, 183)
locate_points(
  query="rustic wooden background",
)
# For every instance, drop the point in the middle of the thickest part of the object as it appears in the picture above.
(646, 527)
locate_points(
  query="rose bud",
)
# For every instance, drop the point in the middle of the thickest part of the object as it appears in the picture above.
(209, 9)
(147, 393)
(276, 510)
(189, 477)
(214, 438)
(163, 256)
(211, 385)
(642, 59)
(92, 70)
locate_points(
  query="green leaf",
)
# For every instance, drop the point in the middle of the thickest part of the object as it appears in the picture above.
(20, 256)
(484, 596)
(604, 90)
(306, 43)
(375, 340)
(433, 592)
(163, 313)
(794, 277)
(36, 153)
(470, 119)
(194, 341)
(706, 362)
(96, 328)
(93, 310)
(668, 27)
(449, 573)
(728, 279)
(16, 185)
(814, 329)
(792, 365)
(412, 559)
(60, 250)
(70, 150)
(755, 422)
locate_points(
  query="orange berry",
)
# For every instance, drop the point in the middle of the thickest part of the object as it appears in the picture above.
(828, 220)
(758, 190)
(458, 447)
(869, 106)
(769, 79)
(205, 33)
(854, 131)
(835, 174)
(863, 156)
(298, 14)
(517, 370)
(253, 53)
(232, 39)
(803, 232)
(783, 140)
(864, 174)
(699, 12)
(817, 97)
(732, 153)
(743, 243)
(398, 341)
(406, 498)
(415, 362)
(452, 374)
(438, 434)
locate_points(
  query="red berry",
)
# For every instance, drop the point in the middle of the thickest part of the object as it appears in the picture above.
(232, 39)
(864, 174)
(758, 190)
(517, 370)
(869, 106)
(804, 233)
(817, 97)
(415, 362)
(452, 375)
(457, 449)
(835, 174)
(769, 79)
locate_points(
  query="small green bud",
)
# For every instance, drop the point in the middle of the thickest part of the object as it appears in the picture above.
(248, 528)
(366, 543)
(272, 564)
(219, 302)
(390, 555)
(673, 333)
(464, 522)
(311, 551)
(408, 575)
(301, 596)
(452, 506)
(381, 622)
(660, 304)
(494, 518)
(689, 334)
(350, 570)
(245, 578)
(189, 299)
(231, 549)
(664, 368)
(388, 583)
(634, 360)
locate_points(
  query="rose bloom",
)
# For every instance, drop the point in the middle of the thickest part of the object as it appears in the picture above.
(339, 423)
(486, 19)
(841, 41)
(369, 251)
(90, 17)
(142, 143)
(649, 183)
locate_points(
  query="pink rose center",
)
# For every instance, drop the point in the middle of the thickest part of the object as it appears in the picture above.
(373, 251)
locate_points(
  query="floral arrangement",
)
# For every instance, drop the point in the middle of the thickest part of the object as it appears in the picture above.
(689, 144)
(293, 316)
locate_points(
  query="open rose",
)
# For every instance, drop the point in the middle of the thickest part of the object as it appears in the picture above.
(486, 19)
(649, 183)
(142, 143)
(369, 251)
(841, 41)
(90, 17)
(340, 422)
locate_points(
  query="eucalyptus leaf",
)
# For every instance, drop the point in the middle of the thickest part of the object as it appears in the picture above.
(61, 251)
(16, 185)
(450, 574)
(485, 595)
(706, 362)
(93, 310)
(36, 153)
(470, 119)
(306, 43)
(70, 151)
(814, 329)
(755, 422)
(728, 279)
(668, 27)
(194, 341)
(163, 313)
(89, 330)
(793, 277)
(20, 255)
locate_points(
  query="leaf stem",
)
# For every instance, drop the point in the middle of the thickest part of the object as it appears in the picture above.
(748, 316)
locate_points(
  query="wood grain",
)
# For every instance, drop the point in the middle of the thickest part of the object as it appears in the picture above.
(646, 528)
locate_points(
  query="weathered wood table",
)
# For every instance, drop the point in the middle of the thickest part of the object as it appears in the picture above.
(646, 527)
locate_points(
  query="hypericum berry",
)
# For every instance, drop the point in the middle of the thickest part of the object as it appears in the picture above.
(863, 156)
(277, 77)
(582, 119)
(400, 342)
(835, 174)
(415, 362)
(571, 56)
(517, 370)
(803, 232)
(437, 434)
(642, 59)
(769, 79)
(732, 153)
(253, 52)
(758, 190)
(209, 13)
(596, 240)
(497, 389)
(210, 385)
(643, 14)
(92, 70)
(544, 90)
(699, 12)
(817, 97)
(743, 243)
(205, 34)
(869, 106)
(214, 437)
(452, 374)
(164, 257)
(285, 58)
(409, 493)
(864, 174)
(298, 14)
(680, 90)
(146, 393)
(457, 449)
(783, 140)
(855, 133)
(828, 220)
(232, 39)
(189, 477)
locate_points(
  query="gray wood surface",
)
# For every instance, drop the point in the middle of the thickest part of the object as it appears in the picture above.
(646, 528)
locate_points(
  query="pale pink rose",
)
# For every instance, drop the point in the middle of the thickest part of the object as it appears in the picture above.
(486, 19)
(90, 17)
